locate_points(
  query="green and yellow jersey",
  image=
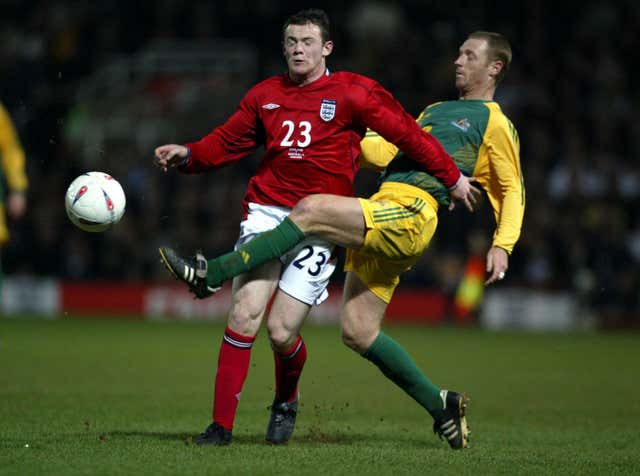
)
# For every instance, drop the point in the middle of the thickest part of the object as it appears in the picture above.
(11, 156)
(484, 144)
(11, 167)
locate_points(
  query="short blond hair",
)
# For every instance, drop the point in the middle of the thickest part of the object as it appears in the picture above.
(498, 49)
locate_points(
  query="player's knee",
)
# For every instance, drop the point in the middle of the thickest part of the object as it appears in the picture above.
(358, 330)
(349, 340)
(281, 338)
(353, 337)
(245, 319)
(303, 214)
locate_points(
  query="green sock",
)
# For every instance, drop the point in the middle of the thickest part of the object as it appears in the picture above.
(264, 247)
(394, 362)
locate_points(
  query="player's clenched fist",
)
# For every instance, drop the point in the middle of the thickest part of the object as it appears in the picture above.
(169, 155)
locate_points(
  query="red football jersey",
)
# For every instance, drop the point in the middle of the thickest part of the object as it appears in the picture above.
(311, 136)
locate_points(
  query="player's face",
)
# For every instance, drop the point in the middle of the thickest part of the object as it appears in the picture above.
(473, 68)
(305, 52)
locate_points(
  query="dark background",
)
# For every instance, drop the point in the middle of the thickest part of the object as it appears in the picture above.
(97, 85)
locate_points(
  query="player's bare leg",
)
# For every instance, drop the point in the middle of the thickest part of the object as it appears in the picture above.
(336, 219)
(251, 294)
(332, 218)
(361, 318)
(285, 319)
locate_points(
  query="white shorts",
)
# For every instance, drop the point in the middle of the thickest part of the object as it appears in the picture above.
(306, 269)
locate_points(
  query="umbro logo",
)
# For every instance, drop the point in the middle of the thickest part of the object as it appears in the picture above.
(270, 106)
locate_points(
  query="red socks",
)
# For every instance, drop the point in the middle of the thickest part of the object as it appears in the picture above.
(233, 366)
(288, 368)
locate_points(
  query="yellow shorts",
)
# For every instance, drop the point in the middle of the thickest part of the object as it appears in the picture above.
(400, 220)
(4, 232)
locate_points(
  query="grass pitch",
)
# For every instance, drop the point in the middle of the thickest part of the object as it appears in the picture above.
(128, 397)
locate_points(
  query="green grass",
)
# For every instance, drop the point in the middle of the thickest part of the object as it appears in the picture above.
(127, 397)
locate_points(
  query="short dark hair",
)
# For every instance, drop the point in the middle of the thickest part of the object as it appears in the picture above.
(498, 49)
(315, 16)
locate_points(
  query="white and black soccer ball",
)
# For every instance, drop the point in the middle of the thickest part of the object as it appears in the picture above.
(95, 201)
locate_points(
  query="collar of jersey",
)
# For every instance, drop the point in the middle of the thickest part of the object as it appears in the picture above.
(318, 82)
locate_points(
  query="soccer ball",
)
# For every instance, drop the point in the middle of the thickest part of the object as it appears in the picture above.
(95, 201)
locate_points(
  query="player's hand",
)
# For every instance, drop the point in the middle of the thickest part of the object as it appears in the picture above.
(464, 192)
(16, 204)
(497, 264)
(169, 155)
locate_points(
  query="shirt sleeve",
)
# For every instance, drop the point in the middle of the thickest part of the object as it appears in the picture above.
(12, 154)
(382, 113)
(506, 186)
(375, 152)
(228, 142)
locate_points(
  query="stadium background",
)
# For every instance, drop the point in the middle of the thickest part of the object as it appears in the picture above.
(96, 85)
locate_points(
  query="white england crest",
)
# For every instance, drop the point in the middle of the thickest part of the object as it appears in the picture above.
(328, 109)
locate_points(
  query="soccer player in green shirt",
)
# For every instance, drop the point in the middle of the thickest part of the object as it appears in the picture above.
(13, 173)
(386, 234)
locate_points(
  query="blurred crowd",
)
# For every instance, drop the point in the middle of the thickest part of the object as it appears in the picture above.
(97, 86)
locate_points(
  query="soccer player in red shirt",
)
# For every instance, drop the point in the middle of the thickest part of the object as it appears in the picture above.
(310, 122)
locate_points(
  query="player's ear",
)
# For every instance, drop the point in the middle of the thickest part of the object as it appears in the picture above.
(495, 67)
(327, 48)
